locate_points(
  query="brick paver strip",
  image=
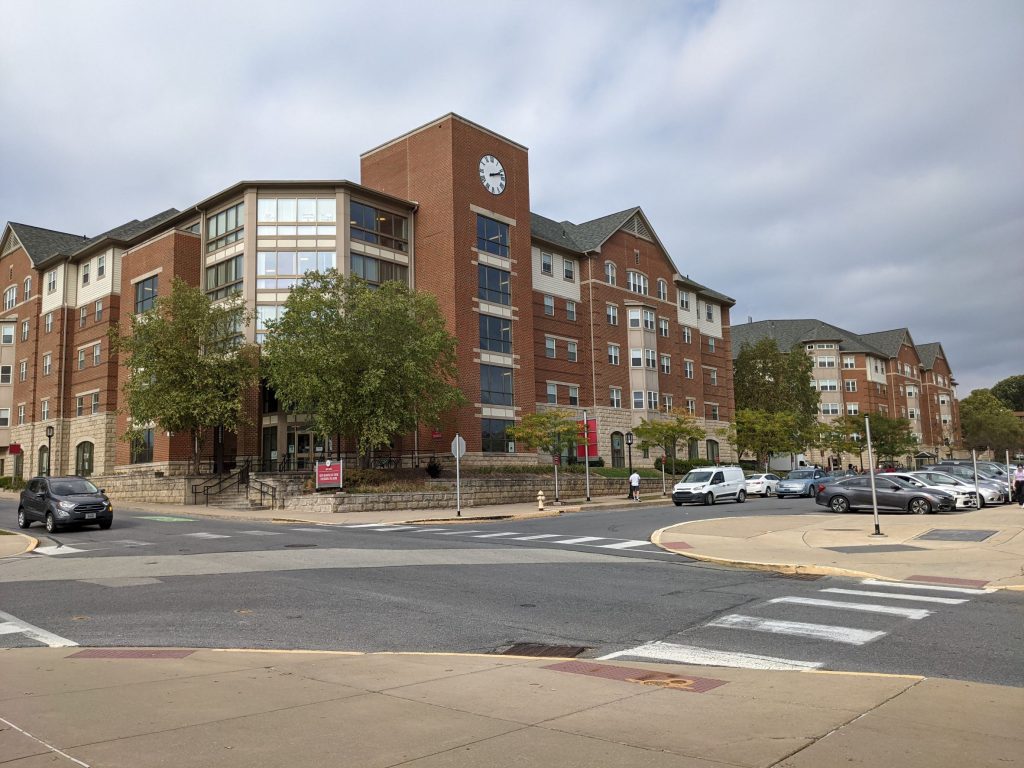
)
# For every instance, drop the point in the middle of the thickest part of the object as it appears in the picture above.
(948, 580)
(130, 653)
(634, 675)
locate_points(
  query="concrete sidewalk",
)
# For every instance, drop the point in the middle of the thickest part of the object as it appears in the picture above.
(924, 548)
(142, 709)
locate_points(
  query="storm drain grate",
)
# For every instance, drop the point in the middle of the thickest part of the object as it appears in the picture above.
(131, 653)
(547, 651)
(937, 534)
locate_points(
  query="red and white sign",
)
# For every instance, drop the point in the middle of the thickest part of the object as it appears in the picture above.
(14, 449)
(586, 442)
(328, 474)
(435, 434)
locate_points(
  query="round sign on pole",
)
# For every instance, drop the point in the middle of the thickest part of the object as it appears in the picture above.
(458, 447)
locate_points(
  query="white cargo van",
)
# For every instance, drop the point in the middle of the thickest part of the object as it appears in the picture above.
(710, 484)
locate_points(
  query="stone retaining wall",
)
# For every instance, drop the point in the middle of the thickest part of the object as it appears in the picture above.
(147, 487)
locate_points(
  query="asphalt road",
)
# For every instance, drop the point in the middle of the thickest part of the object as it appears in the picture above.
(588, 579)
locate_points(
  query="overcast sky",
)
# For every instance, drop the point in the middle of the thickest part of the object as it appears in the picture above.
(860, 162)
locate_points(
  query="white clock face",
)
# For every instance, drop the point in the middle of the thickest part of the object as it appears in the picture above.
(492, 175)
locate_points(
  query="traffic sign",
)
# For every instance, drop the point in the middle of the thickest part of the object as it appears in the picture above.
(458, 447)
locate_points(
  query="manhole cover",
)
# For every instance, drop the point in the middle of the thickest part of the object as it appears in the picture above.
(539, 649)
(937, 534)
(300, 546)
(869, 548)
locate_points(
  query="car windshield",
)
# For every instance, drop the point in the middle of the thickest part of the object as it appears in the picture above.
(697, 477)
(901, 482)
(71, 486)
(801, 474)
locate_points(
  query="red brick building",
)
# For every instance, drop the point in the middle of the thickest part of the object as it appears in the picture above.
(592, 316)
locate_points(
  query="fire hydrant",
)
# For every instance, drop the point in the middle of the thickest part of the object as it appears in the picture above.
(540, 501)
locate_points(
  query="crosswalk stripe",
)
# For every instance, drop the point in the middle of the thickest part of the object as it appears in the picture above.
(262, 533)
(365, 525)
(206, 535)
(431, 530)
(390, 528)
(848, 635)
(688, 654)
(35, 633)
(933, 587)
(455, 533)
(55, 550)
(537, 536)
(894, 610)
(495, 535)
(310, 530)
(580, 540)
(625, 544)
(895, 596)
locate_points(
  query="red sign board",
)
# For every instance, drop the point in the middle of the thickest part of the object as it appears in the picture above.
(328, 474)
(435, 434)
(586, 442)
(14, 449)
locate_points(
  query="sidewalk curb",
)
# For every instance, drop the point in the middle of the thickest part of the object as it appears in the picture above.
(32, 543)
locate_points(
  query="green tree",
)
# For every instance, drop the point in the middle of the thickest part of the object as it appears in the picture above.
(987, 423)
(1010, 392)
(763, 433)
(891, 437)
(843, 435)
(666, 434)
(188, 367)
(547, 431)
(363, 362)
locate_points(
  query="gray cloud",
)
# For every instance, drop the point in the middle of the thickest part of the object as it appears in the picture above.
(862, 163)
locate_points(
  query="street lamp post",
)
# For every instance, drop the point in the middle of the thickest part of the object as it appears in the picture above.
(629, 449)
(49, 448)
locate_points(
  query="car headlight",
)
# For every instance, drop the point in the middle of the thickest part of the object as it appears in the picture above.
(66, 506)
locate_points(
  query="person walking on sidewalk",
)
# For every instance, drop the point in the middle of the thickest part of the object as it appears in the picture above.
(1018, 484)
(634, 486)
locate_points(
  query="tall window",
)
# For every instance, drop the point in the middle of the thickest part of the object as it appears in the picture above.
(552, 394)
(83, 316)
(24, 330)
(378, 271)
(83, 459)
(99, 310)
(612, 313)
(609, 273)
(145, 294)
(44, 410)
(81, 359)
(634, 317)
(570, 310)
(545, 263)
(572, 351)
(650, 359)
(101, 266)
(615, 397)
(10, 297)
(96, 355)
(27, 286)
(713, 376)
(495, 385)
(636, 282)
(613, 354)
(495, 334)
(51, 281)
(48, 322)
(638, 399)
(684, 300)
(142, 447)
(569, 269)
(85, 272)
(225, 227)
(648, 320)
(709, 315)
(21, 414)
(691, 406)
(380, 227)
(687, 335)
(636, 358)
(47, 364)
(549, 347)
(494, 285)
(6, 374)
(712, 446)
(688, 368)
(95, 402)
(491, 236)
(662, 290)
(493, 438)
(5, 417)
(662, 326)
(574, 395)
(225, 278)
(23, 370)
(666, 364)
(711, 343)
(652, 401)
(549, 305)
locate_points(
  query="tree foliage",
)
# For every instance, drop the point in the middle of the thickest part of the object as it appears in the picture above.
(844, 434)
(987, 423)
(768, 379)
(546, 431)
(188, 368)
(763, 433)
(1010, 392)
(667, 433)
(891, 437)
(367, 363)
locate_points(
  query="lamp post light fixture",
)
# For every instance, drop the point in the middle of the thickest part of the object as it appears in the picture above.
(49, 448)
(629, 449)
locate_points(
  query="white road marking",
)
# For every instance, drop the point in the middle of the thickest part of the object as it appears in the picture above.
(263, 533)
(625, 544)
(495, 535)
(580, 540)
(936, 587)
(390, 528)
(364, 525)
(848, 635)
(55, 550)
(894, 610)
(688, 654)
(538, 536)
(131, 543)
(313, 530)
(431, 530)
(48, 746)
(456, 533)
(207, 535)
(35, 633)
(894, 596)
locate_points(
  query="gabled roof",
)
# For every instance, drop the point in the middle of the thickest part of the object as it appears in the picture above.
(551, 231)
(928, 354)
(592, 234)
(703, 290)
(790, 333)
(43, 244)
(890, 341)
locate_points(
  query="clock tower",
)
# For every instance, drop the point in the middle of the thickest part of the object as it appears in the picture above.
(472, 250)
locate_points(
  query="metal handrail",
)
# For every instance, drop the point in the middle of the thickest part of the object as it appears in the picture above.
(212, 488)
(265, 489)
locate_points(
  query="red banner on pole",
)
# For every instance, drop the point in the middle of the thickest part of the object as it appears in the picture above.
(586, 442)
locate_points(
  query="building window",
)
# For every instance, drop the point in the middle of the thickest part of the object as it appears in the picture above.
(225, 278)
(570, 310)
(5, 417)
(662, 327)
(666, 402)
(27, 288)
(684, 300)
(650, 359)
(612, 314)
(21, 414)
(712, 411)
(549, 347)
(371, 225)
(80, 405)
(145, 294)
(709, 312)
(48, 322)
(494, 285)
(613, 354)
(545, 263)
(569, 270)
(493, 438)
(374, 271)
(711, 343)
(636, 282)
(96, 355)
(81, 359)
(99, 310)
(83, 459)
(23, 370)
(712, 449)
(634, 317)
(24, 330)
(687, 335)
(912, 413)
(85, 272)
(142, 447)
(495, 334)
(47, 364)
(615, 397)
(609, 273)
(662, 290)
(830, 409)
(573, 351)
(495, 385)
(850, 385)
(848, 361)
(552, 394)
(101, 266)
(491, 236)
(549, 305)
(666, 364)
(303, 211)
(826, 362)
(691, 406)
(10, 297)
(652, 401)
(95, 402)
(852, 409)
(713, 376)
(44, 410)
(83, 315)
(574, 395)
(226, 227)
(828, 385)
(51, 281)
(648, 320)
(638, 399)
(636, 358)
(283, 270)
(6, 374)
(688, 369)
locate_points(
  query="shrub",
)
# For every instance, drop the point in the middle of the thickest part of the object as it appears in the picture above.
(433, 468)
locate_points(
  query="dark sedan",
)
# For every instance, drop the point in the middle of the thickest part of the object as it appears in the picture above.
(60, 501)
(855, 492)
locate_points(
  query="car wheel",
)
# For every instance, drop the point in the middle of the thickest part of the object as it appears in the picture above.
(51, 524)
(981, 501)
(741, 497)
(709, 499)
(839, 504)
(678, 503)
(23, 522)
(810, 491)
(105, 525)
(919, 506)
